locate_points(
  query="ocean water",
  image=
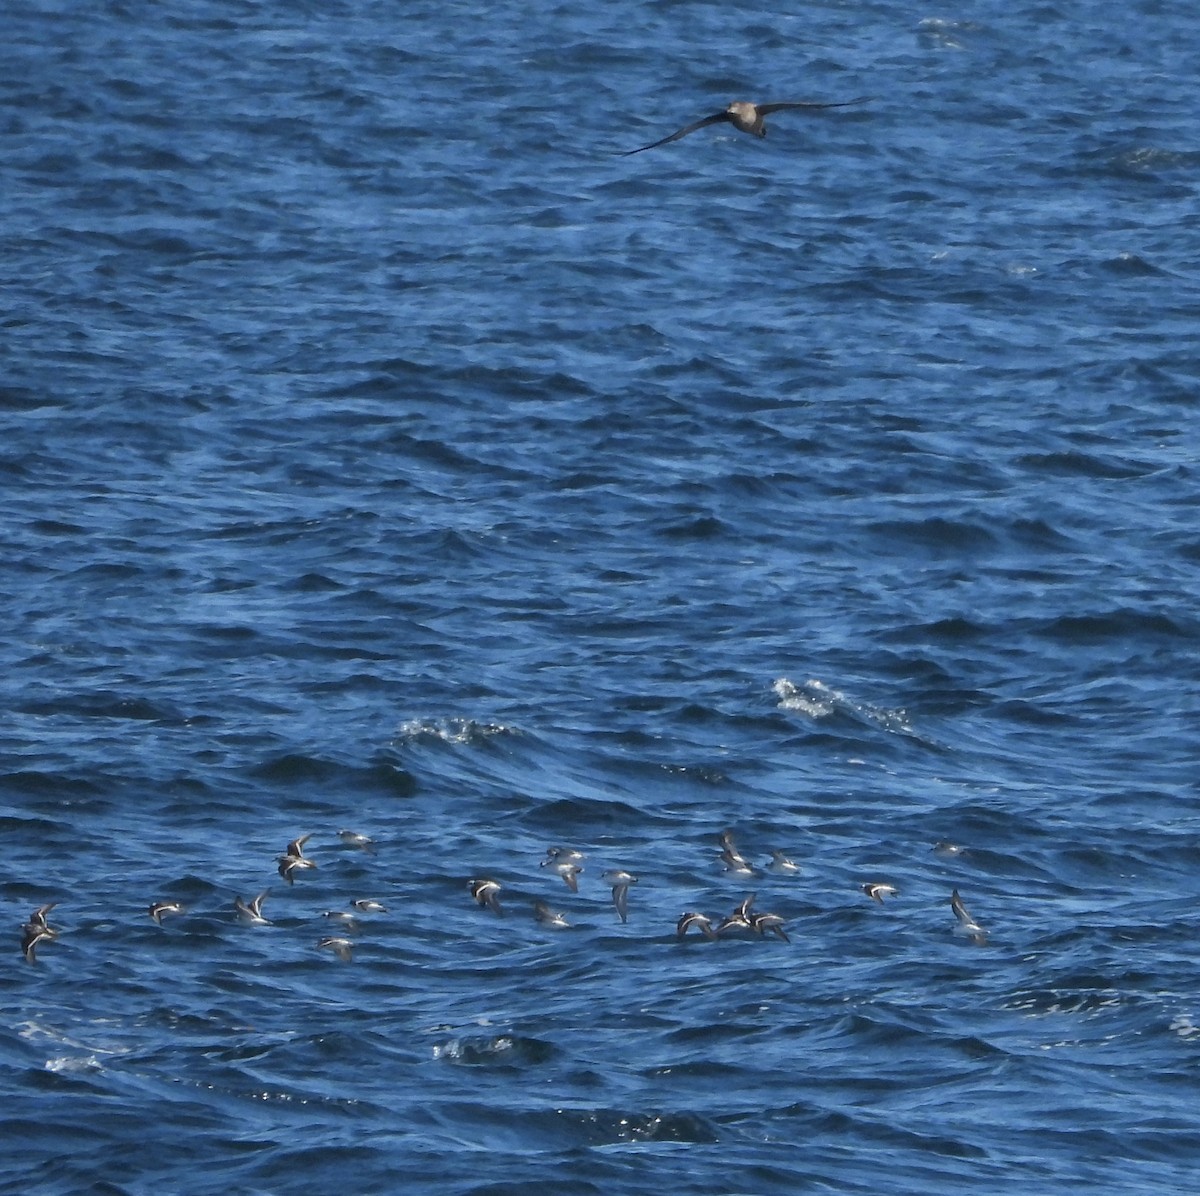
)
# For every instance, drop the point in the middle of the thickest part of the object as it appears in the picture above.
(384, 451)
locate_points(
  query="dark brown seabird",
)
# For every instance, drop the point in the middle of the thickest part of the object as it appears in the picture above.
(745, 117)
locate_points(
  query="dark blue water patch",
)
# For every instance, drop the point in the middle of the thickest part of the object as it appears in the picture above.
(937, 535)
(1131, 264)
(383, 775)
(503, 1051)
(1123, 624)
(105, 705)
(1082, 464)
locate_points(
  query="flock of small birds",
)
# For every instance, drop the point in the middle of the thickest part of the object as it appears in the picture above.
(564, 862)
(568, 863)
(38, 931)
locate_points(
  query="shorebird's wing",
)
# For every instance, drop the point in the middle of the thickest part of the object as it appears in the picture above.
(699, 124)
(767, 109)
(33, 935)
(621, 900)
(960, 910)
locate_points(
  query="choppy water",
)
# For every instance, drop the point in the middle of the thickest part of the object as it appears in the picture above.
(382, 452)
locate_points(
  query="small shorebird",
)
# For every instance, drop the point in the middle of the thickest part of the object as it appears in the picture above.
(251, 912)
(740, 919)
(549, 917)
(160, 909)
(354, 839)
(966, 924)
(762, 923)
(348, 922)
(369, 906)
(946, 848)
(699, 921)
(484, 892)
(339, 946)
(294, 858)
(878, 892)
(568, 870)
(781, 863)
(738, 864)
(733, 859)
(744, 116)
(37, 930)
(620, 881)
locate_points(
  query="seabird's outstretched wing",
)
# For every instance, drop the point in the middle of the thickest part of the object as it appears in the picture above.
(699, 124)
(767, 109)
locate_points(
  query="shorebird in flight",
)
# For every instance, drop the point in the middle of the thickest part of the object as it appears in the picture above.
(761, 923)
(341, 947)
(549, 917)
(699, 921)
(733, 859)
(781, 863)
(161, 909)
(966, 924)
(37, 930)
(485, 892)
(295, 858)
(565, 868)
(878, 892)
(745, 117)
(741, 918)
(250, 912)
(620, 881)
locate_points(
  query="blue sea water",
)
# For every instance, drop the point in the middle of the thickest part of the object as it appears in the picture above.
(383, 451)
